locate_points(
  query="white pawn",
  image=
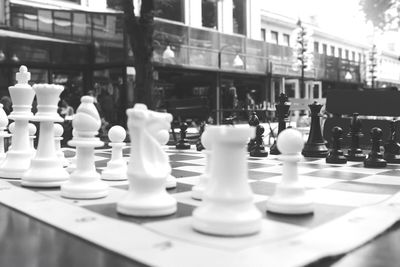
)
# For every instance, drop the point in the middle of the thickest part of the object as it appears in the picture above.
(117, 167)
(32, 131)
(148, 166)
(228, 207)
(58, 132)
(198, 190)
(85, 182)
(3, 133)
(290, 195)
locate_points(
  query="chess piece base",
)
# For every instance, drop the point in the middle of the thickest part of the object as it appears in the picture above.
(290, 200)
(182, 145)
(355, 157)
(84, 190)
(390, 158)
(258, 153)
(375, 163)
(115, 171)
(274, 149)
(171, 182)
(147, 205)
(215, 220)
(317, 150)
(45, 173)
(15, 164)
(336, 159)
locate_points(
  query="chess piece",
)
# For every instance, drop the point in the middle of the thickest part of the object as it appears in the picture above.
(392, 147)
(375, 158)
(117, 167)
(355, 153)
(183, 143)
(290, 195)
(227, 208)
(199, 144)
(32, 131)
(336, 156)
(58, 132)
(85, 182)
(282, 112)
(198, 190)
(315, 145)
(258, 149)
(46, 170)
(171, 180)
(19, 155)
(254, 122)
(148, 166)
(3, 133)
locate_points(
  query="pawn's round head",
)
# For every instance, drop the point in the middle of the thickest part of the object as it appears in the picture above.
(32, 129)
(290, 141)
(58, 130)
(117, 134)
(376, 133)
(11, 127)
(337, 131)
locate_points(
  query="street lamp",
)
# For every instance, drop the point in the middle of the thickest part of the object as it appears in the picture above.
(237, 63)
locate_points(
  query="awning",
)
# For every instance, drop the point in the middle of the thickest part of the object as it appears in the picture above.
(20, 35)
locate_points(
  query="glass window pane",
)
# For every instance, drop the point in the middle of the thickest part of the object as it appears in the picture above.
(62, 24)
(239, 16)
(171, 9)
(209, 13)
(80, 29)
(45, 21)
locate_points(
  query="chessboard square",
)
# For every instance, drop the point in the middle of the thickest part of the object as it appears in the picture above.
(200, 161)
(114, 195)
(381, 179)
(256, 175)
(308, 181)
(193, 180)
(370, 188)
(336, 173)
(183, 157)
(182, 173)
(180, 187)
(322, 214)
(394, 173)
(110, 210)
(263, 188)
(359, 168)
(182, 229)
(278, 169)
(256, 165)
(194, 168)
(345, 198)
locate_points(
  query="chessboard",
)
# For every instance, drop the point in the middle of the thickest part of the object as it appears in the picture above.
(353, 205)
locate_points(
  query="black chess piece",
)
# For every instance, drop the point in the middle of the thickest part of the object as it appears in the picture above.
(336, 154)
(199, 145)
(392, 147)
(183, 143)
(315, 145)
(375, 157)
(355, 153)
(258, 149)
(253, 121)
(282, 112)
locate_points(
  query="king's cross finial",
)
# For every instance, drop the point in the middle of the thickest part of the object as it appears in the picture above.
(23, 76)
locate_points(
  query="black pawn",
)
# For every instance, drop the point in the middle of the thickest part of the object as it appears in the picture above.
(182, 143)
(315, 146)
(355, 153)
(282, 112)
(199, 144)
(375, 158)
(258, 149)
(253, 121)
(392, 147)
(336, 154)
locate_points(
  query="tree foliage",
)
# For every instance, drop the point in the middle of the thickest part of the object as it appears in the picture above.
(384, 14)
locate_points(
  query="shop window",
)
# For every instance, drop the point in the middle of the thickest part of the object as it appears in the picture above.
(286, 39)
(346, 54)
(324, 49)
(316, 47)
(353, 56)
(24, 17)
(62, 23)
(80, 27)
(45, 21)
(340, 53)
(274, 37)
(332, 51)
(263, 35)
(209, 13)
(239, 16)
(99, 24)
(172, 9)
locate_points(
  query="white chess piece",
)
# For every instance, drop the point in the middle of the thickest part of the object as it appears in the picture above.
(58, 132)
(227, 208)
(198, 190)
(18, 157)
(32, 131)
(117, 167)
(148, 166)
(3, 133)
(46, 170)
(290, 195)
(85, 182)
(11, 129)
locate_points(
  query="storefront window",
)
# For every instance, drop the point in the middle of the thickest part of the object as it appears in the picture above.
(239, 16)
(62, 24)
(24, 17)
(209, 13)
(171, 9)
(45, 21)
(81, 26)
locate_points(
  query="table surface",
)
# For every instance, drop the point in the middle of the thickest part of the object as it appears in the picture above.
(26, 241)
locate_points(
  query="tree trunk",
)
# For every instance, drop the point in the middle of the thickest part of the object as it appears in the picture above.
(140, 35)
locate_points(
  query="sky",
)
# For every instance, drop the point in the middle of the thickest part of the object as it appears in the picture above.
(339, 17)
